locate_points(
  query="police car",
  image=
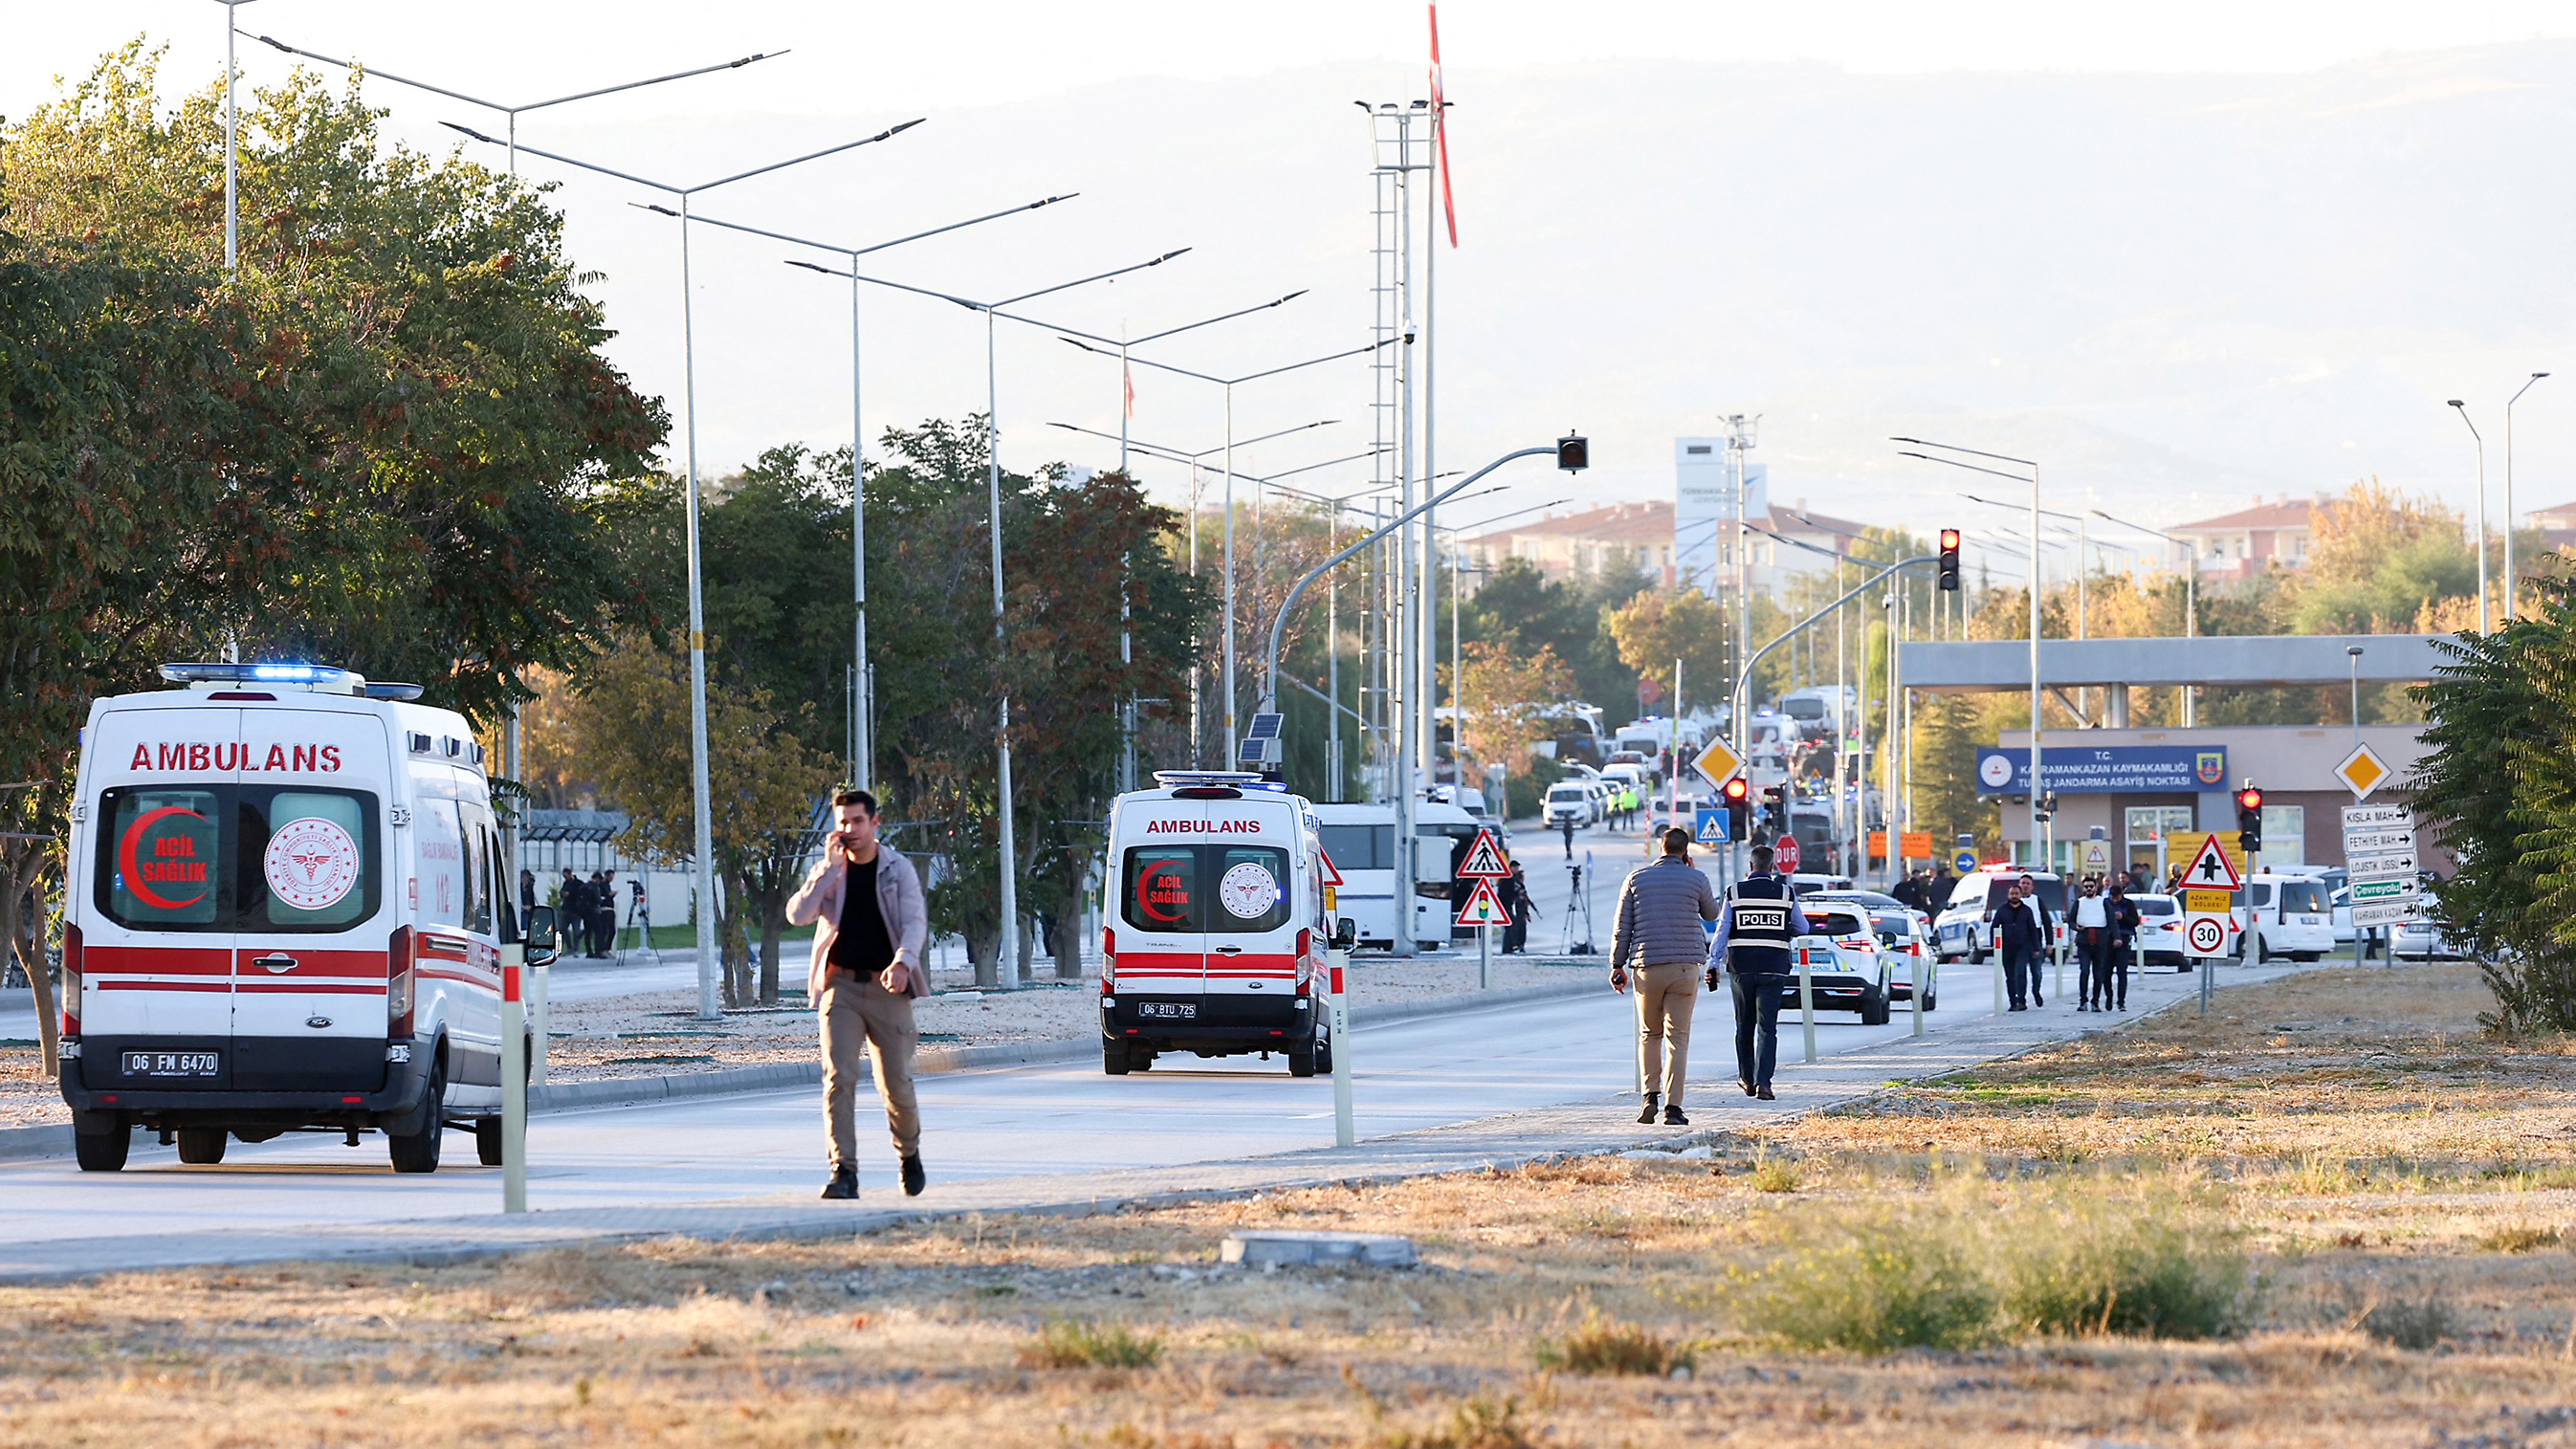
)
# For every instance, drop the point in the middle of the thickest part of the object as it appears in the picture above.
(1844, 963)
(285, 910)
(1216, 937)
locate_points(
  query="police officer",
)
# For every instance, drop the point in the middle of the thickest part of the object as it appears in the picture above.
(1752, 946)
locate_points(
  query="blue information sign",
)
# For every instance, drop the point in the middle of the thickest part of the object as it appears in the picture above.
(2080, 769)
(1964, 862)
(1709, 825)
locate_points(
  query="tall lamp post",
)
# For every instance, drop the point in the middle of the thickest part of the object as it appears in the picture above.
(2508, 492)
(232, 146)
(863, 689)
(2039, 813)
(2482, 510)
(701, 804)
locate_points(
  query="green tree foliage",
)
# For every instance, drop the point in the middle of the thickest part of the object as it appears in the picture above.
(1659, 628)
(1523, 609)
(2498, 789)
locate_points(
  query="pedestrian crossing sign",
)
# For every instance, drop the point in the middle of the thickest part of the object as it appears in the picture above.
(1484, 908)
(1484, 860)
(1709, 828)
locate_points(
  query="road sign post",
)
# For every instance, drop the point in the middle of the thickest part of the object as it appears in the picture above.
(1807, 1003)
(1484, 908)
(2210, 884)
(2380, 861)
(514, 1083)
(1784, 853)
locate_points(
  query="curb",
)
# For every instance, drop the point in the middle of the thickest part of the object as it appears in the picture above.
(54, 1139)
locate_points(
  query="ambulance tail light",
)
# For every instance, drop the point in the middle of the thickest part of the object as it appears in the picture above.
(1108, 960)
(398, 985)
(1305, 962)
(71, 979)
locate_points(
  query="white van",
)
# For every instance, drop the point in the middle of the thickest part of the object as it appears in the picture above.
(2288, 915)
(1218, 925)
(284, 913)
(1964, 932)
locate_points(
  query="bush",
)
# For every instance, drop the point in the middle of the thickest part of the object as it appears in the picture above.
(1087, 1343)
(1771, 1175)
(2416, 1325)
(2520, 1238)
(1901, 1287)
(1479, 1423)
(2092, 1265)
(1601, 1346)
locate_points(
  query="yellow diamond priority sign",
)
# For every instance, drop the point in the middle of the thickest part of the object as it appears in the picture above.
(2362, 771)
(1717, 763)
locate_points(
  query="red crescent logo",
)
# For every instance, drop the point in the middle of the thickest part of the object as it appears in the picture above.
(134, 874)
(1144, 884)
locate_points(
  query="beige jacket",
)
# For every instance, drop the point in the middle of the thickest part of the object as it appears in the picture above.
(899, 898)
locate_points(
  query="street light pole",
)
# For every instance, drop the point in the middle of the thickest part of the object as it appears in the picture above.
(2482, 510)
(232, 145)
(2508, 493)
(710, 1005)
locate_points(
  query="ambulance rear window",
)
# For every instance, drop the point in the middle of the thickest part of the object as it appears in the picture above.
(238, 857)
(1192, 888)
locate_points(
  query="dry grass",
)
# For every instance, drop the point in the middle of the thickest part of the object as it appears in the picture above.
(2393, 1178)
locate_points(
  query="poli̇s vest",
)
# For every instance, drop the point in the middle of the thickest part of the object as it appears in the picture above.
(1757, 925)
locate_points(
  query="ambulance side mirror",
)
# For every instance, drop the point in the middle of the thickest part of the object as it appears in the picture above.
(541, 935)
(1346, 934)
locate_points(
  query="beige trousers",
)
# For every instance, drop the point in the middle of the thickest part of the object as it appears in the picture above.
(1665, 996)
(856, 1012)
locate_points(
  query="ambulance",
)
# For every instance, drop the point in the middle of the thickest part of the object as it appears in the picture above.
(284, 913)
(1213, 942)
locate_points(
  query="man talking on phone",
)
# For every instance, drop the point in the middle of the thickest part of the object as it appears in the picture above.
(870, 922)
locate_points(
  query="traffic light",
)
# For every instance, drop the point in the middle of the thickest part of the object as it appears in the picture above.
(2249, 818)
(1738, 808)
(1950, 560)
(1775, 806)
(1574, 452)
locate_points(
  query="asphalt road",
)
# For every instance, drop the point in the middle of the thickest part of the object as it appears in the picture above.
(1067, 1118)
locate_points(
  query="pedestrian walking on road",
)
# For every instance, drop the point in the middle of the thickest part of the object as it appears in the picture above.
(1752, 947)
(2091, 919)
(2125, 921)
(2021, 933)
(1565, 823)
(1660, 910)
(870, 922)
(1516, 904)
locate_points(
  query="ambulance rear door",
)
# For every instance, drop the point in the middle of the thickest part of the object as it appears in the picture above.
(1250, 863)
(154, 1006)
(312, 907)
(1162, 946)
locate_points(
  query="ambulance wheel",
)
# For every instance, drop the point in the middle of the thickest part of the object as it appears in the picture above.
(487, 1140)
(1113, 1057)
(201, 1146)
(418, 1151)
(102, 1151)
(1324, 1055)
(1301, 1063)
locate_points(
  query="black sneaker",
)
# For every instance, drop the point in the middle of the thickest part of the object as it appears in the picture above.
(1673, 1117)
(914, 1179)
(1648, 1115)
(1747, 1086)
(844, 1184)
(1765, 1094)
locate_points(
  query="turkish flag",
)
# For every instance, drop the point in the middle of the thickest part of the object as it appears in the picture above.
(1440, 129)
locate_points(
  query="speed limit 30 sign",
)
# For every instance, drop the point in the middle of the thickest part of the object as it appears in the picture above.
(2205, 935)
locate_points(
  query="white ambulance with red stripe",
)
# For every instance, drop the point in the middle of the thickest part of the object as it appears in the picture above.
(284, 913)
(1214, 936)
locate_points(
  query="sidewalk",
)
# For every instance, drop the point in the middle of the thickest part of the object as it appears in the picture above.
(1595, 1126)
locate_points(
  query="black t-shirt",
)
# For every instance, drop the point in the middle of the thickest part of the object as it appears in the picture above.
(862, 945)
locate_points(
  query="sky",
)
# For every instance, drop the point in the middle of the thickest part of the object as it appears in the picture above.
(1226, 129)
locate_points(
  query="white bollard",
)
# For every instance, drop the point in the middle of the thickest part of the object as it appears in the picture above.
(1999, 978)
(540, 979)
(1807, 1002)
(514, 1082)
(1345, 1133)
(1484, 958)
(1922, 971)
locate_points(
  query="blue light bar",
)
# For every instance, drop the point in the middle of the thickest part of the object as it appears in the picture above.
(312, 676)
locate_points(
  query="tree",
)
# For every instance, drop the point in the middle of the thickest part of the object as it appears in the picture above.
(630, 719)
(1520, 607)
(2380, 559)
(2498, 790)
(1507, 695)
(1660, 626)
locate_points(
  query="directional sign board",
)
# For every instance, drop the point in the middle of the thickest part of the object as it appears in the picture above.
(1484, 860)
(2362, 771)
(1717, 763)
(2210, 869)
(1708, 825)
(2381, 861)
(1484, 908)
(1964, 862)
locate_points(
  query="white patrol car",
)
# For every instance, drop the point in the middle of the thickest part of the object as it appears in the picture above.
(1215, 936)
(284, 912)
(1843, 960)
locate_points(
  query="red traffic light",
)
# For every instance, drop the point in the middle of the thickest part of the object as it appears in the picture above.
(2249, 798)
(1735, 788)
(1949, 540)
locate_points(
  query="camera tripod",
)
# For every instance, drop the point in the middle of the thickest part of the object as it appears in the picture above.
(639, 917)
(1578, 907)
